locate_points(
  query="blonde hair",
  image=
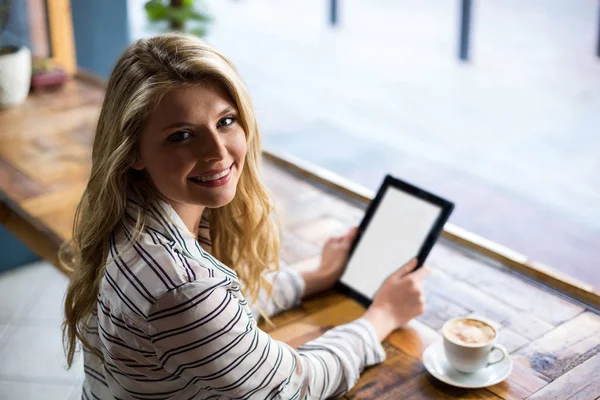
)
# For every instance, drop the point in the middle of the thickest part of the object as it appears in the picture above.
(244, 235)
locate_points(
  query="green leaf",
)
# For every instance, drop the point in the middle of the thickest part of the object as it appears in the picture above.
(199, 31)
(156, 10)
(184, 14)
(176, 15)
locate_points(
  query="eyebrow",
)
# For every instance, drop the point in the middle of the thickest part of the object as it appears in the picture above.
(181, 124)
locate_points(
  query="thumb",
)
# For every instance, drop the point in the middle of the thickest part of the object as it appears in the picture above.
(422, 273)
(351, 235)
(407, 268)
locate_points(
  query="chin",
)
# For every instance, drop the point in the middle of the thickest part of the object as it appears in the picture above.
(214, 197)
(218, 199)
(217, 204)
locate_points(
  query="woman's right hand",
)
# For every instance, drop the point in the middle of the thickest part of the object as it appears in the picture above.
(399, 299)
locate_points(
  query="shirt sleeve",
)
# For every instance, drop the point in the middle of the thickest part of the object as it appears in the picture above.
(288, 289)
(288, 285)
(205, 333)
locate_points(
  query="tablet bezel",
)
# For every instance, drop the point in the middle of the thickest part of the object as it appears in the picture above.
(446, 208)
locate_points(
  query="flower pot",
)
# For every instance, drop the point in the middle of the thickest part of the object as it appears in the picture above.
(48, 79)
(15, 75)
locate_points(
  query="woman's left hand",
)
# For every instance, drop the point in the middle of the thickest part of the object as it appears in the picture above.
(333, 263)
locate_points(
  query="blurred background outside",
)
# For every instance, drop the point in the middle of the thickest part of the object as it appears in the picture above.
(512, 136)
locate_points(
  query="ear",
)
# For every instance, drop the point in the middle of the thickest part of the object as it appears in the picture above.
(138, 164)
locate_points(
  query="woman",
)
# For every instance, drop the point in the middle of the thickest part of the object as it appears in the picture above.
(175, 230)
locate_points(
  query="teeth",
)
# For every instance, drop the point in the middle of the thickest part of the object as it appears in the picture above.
(212, 177)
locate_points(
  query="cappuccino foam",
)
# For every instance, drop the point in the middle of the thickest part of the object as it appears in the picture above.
(469, 331)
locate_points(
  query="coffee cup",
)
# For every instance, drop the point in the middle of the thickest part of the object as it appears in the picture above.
(470, 344)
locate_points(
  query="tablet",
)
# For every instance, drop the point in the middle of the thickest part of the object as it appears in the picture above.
(402, 222)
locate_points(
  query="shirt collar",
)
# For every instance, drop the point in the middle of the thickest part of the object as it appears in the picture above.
(164, 220)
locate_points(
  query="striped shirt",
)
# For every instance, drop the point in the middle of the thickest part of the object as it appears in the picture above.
(172, 323)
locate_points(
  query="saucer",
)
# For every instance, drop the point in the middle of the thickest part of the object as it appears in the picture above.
(436, 363)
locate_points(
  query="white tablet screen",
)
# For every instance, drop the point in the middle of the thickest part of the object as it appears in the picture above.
(394, 235)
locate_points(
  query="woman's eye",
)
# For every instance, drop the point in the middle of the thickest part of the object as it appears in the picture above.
(178, 136)
(226, 121)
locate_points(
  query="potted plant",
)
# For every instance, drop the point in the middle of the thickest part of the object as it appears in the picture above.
(46, 74)
(178, 14)
(15, 66)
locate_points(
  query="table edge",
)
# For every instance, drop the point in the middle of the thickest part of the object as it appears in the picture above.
(518, 263)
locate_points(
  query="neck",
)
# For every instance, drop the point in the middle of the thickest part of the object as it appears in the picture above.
(190, 214)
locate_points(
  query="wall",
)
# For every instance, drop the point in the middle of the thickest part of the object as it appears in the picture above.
(101, 33)
(17, 31)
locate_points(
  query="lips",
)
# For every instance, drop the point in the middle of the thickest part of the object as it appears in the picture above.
(212, 175)
(213, 179)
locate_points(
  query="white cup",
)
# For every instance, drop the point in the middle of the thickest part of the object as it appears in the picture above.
(470, 358)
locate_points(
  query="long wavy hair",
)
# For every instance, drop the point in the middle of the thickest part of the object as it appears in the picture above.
(244, 234)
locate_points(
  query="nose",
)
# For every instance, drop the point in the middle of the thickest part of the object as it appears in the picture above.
(213, 147)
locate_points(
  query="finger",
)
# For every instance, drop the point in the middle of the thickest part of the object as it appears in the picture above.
(407, 268)
(351, 235)
(332, 240)
(352, 232)
(421, 273)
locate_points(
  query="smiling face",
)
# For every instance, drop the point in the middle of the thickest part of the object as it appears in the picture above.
(193, 147)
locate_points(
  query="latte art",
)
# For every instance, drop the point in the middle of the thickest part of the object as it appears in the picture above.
(470, 332)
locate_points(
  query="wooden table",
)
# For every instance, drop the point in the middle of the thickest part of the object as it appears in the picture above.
(554, 341)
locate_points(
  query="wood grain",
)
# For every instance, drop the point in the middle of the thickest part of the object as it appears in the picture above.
(511, 339)
(425, 386)
(320, 230)
(376, 383)
(438, 310)
(297, 212)
(294, 249)
(521, 383)
(581, 383)
(288, 187)
(299, 201)
(337, 313)
(565, 347)
(556, 280)
(472, 298)
(56, 208)
(518, 294)
(312, 323)
(413, 338)
(309, 306)
(20, 186)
